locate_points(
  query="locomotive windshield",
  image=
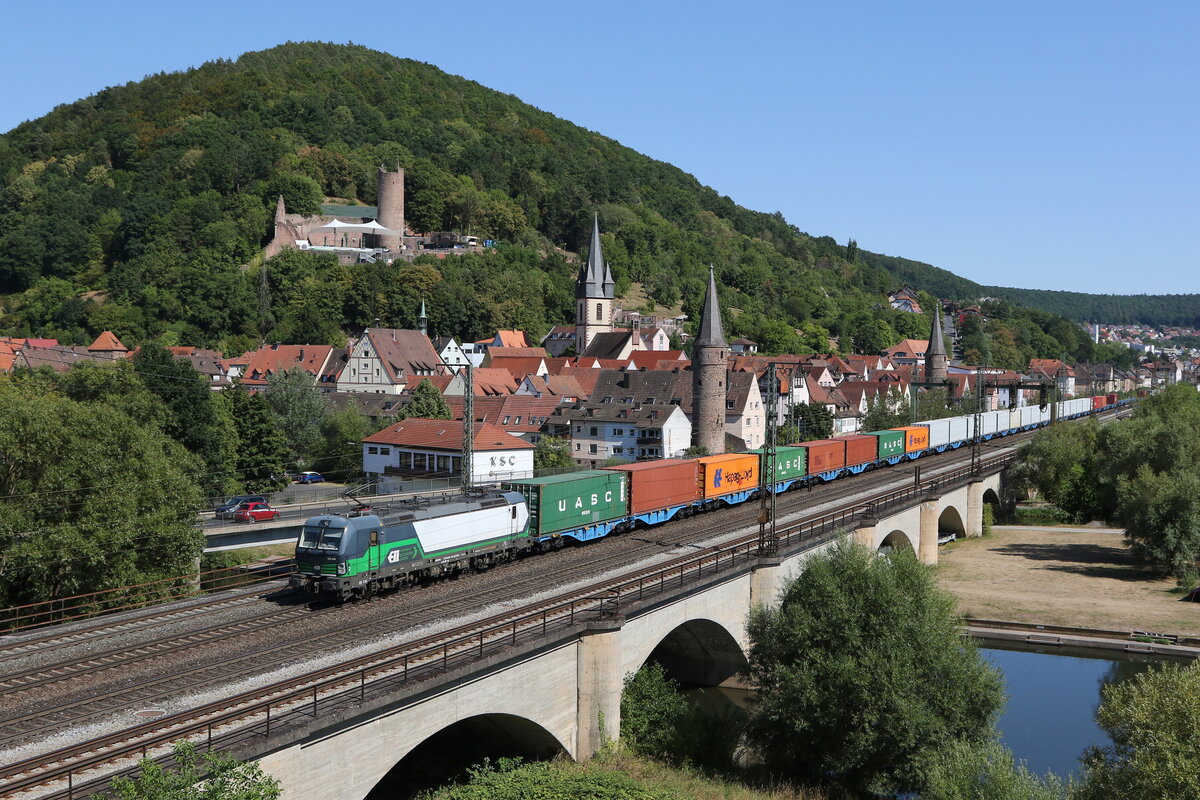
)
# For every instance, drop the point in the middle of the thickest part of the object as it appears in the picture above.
(321, 538)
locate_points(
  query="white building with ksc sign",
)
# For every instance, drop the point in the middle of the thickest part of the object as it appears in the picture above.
(427, 453)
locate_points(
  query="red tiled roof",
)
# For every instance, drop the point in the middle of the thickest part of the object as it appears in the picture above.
(108, 342)
(405, 353)
(271, 359)
(445, 434)
(649, 359)
(513, 339)
(516, 352)
(518, 367)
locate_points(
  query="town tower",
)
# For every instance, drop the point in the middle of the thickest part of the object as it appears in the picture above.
(936, 361)
(709, 378)
(594, 292)
(389, 197)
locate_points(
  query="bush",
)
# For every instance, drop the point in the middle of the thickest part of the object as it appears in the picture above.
(651, 711)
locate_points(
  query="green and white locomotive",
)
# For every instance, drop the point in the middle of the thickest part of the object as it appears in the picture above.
(344, 557)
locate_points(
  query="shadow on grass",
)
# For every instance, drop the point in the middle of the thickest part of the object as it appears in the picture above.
(1090, 560)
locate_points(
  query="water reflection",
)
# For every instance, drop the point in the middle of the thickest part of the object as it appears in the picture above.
(1053, 694)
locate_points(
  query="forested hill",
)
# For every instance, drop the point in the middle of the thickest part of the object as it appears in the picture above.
(1170, 309)
(143, 209)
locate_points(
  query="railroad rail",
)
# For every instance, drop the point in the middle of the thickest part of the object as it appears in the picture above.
(229, 720)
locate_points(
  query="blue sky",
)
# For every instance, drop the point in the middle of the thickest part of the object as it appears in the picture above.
(1037, 144)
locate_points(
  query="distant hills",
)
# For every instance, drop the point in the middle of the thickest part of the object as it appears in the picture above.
(144, 209)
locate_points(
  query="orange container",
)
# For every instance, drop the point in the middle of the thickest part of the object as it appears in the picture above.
(916, 437)
(654, 485)
(825, 455)
(732, 472)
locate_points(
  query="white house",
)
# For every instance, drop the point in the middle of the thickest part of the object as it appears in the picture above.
(451, 353)
(410, 453)
(598, 433)
(386, 360)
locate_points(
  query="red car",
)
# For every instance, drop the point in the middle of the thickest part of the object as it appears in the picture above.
(255, 512)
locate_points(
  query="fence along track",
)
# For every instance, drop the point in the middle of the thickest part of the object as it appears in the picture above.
(411, 661)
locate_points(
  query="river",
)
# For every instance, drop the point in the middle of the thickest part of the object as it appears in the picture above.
(1053, 694)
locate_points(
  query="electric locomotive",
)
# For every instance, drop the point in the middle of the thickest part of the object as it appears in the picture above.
(343, 557)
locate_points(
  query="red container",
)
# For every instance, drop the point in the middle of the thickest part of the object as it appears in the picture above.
(1098, 402)
(825, 455)
(860, 449)
(1112, 399)
(654, 485)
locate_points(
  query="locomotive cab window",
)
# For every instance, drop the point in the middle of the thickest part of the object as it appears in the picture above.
(374, 538)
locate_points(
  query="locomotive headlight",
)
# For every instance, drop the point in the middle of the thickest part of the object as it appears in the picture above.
(341, 568)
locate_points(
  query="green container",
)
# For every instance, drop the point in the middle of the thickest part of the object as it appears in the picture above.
(891, 443)
(574, 500)
(790, 463)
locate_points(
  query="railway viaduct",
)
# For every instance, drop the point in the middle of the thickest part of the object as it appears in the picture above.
(562, 694)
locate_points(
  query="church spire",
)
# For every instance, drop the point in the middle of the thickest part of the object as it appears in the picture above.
(936, 360)
(710, 332)
(595, 278)
(423, 320)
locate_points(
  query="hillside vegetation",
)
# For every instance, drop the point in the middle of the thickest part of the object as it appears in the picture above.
(143, 209)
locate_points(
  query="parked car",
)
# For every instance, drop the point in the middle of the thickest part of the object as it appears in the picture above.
(227, 509)
(255, 512)
(310, 477)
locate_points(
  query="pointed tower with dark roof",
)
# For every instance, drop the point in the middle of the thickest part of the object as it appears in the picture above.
(423, 320)
(710, 383)
(936, 361)
(594, 291)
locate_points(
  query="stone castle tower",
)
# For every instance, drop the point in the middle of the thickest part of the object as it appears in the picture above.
(709, 379)
(936, 361)
(594, 291)
(389, 192)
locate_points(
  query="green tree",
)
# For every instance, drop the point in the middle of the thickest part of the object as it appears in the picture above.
(298, 411)
(427, 403)
(550, 452)
(812, 421)
(191, 418)
(651, 709)
(339, 455)
(262, 452)
(863, 674)
(986, 771)
(1153, 720)
(886, 411)
(93, 498)
(197, 776)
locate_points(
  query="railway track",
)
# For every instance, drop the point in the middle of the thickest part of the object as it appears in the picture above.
(66, 714)
(552, 610)
(227, 714)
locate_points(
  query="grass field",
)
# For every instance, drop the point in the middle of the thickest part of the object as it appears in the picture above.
(1071, 576)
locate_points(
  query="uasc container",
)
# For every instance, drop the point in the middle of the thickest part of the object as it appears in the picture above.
(655, 485)
(825, 455)
(791, 462)
(574, 500)
(888, 443)
(860, 449)
(726, 474)
(916, 438)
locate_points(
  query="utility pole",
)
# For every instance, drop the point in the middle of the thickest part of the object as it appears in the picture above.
(468, 445)
(768, 536)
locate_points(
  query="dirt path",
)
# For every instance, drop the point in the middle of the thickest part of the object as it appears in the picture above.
(1078, 577)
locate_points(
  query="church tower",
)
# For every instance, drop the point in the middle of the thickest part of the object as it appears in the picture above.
(936, 360)
(594, 292)
(709, 378)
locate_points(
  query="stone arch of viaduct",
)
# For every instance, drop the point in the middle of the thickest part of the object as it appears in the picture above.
(562, 690)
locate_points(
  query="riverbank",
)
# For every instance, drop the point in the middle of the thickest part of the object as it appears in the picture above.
(1072, 577)
(616, 774)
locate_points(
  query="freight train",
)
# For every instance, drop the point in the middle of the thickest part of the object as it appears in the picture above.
(353, 556)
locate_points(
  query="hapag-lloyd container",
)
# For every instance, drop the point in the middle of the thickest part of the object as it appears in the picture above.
(655, 485)
(860, 449)
(891, 443)
(726, 474)
(574, 500)
(825, 455)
